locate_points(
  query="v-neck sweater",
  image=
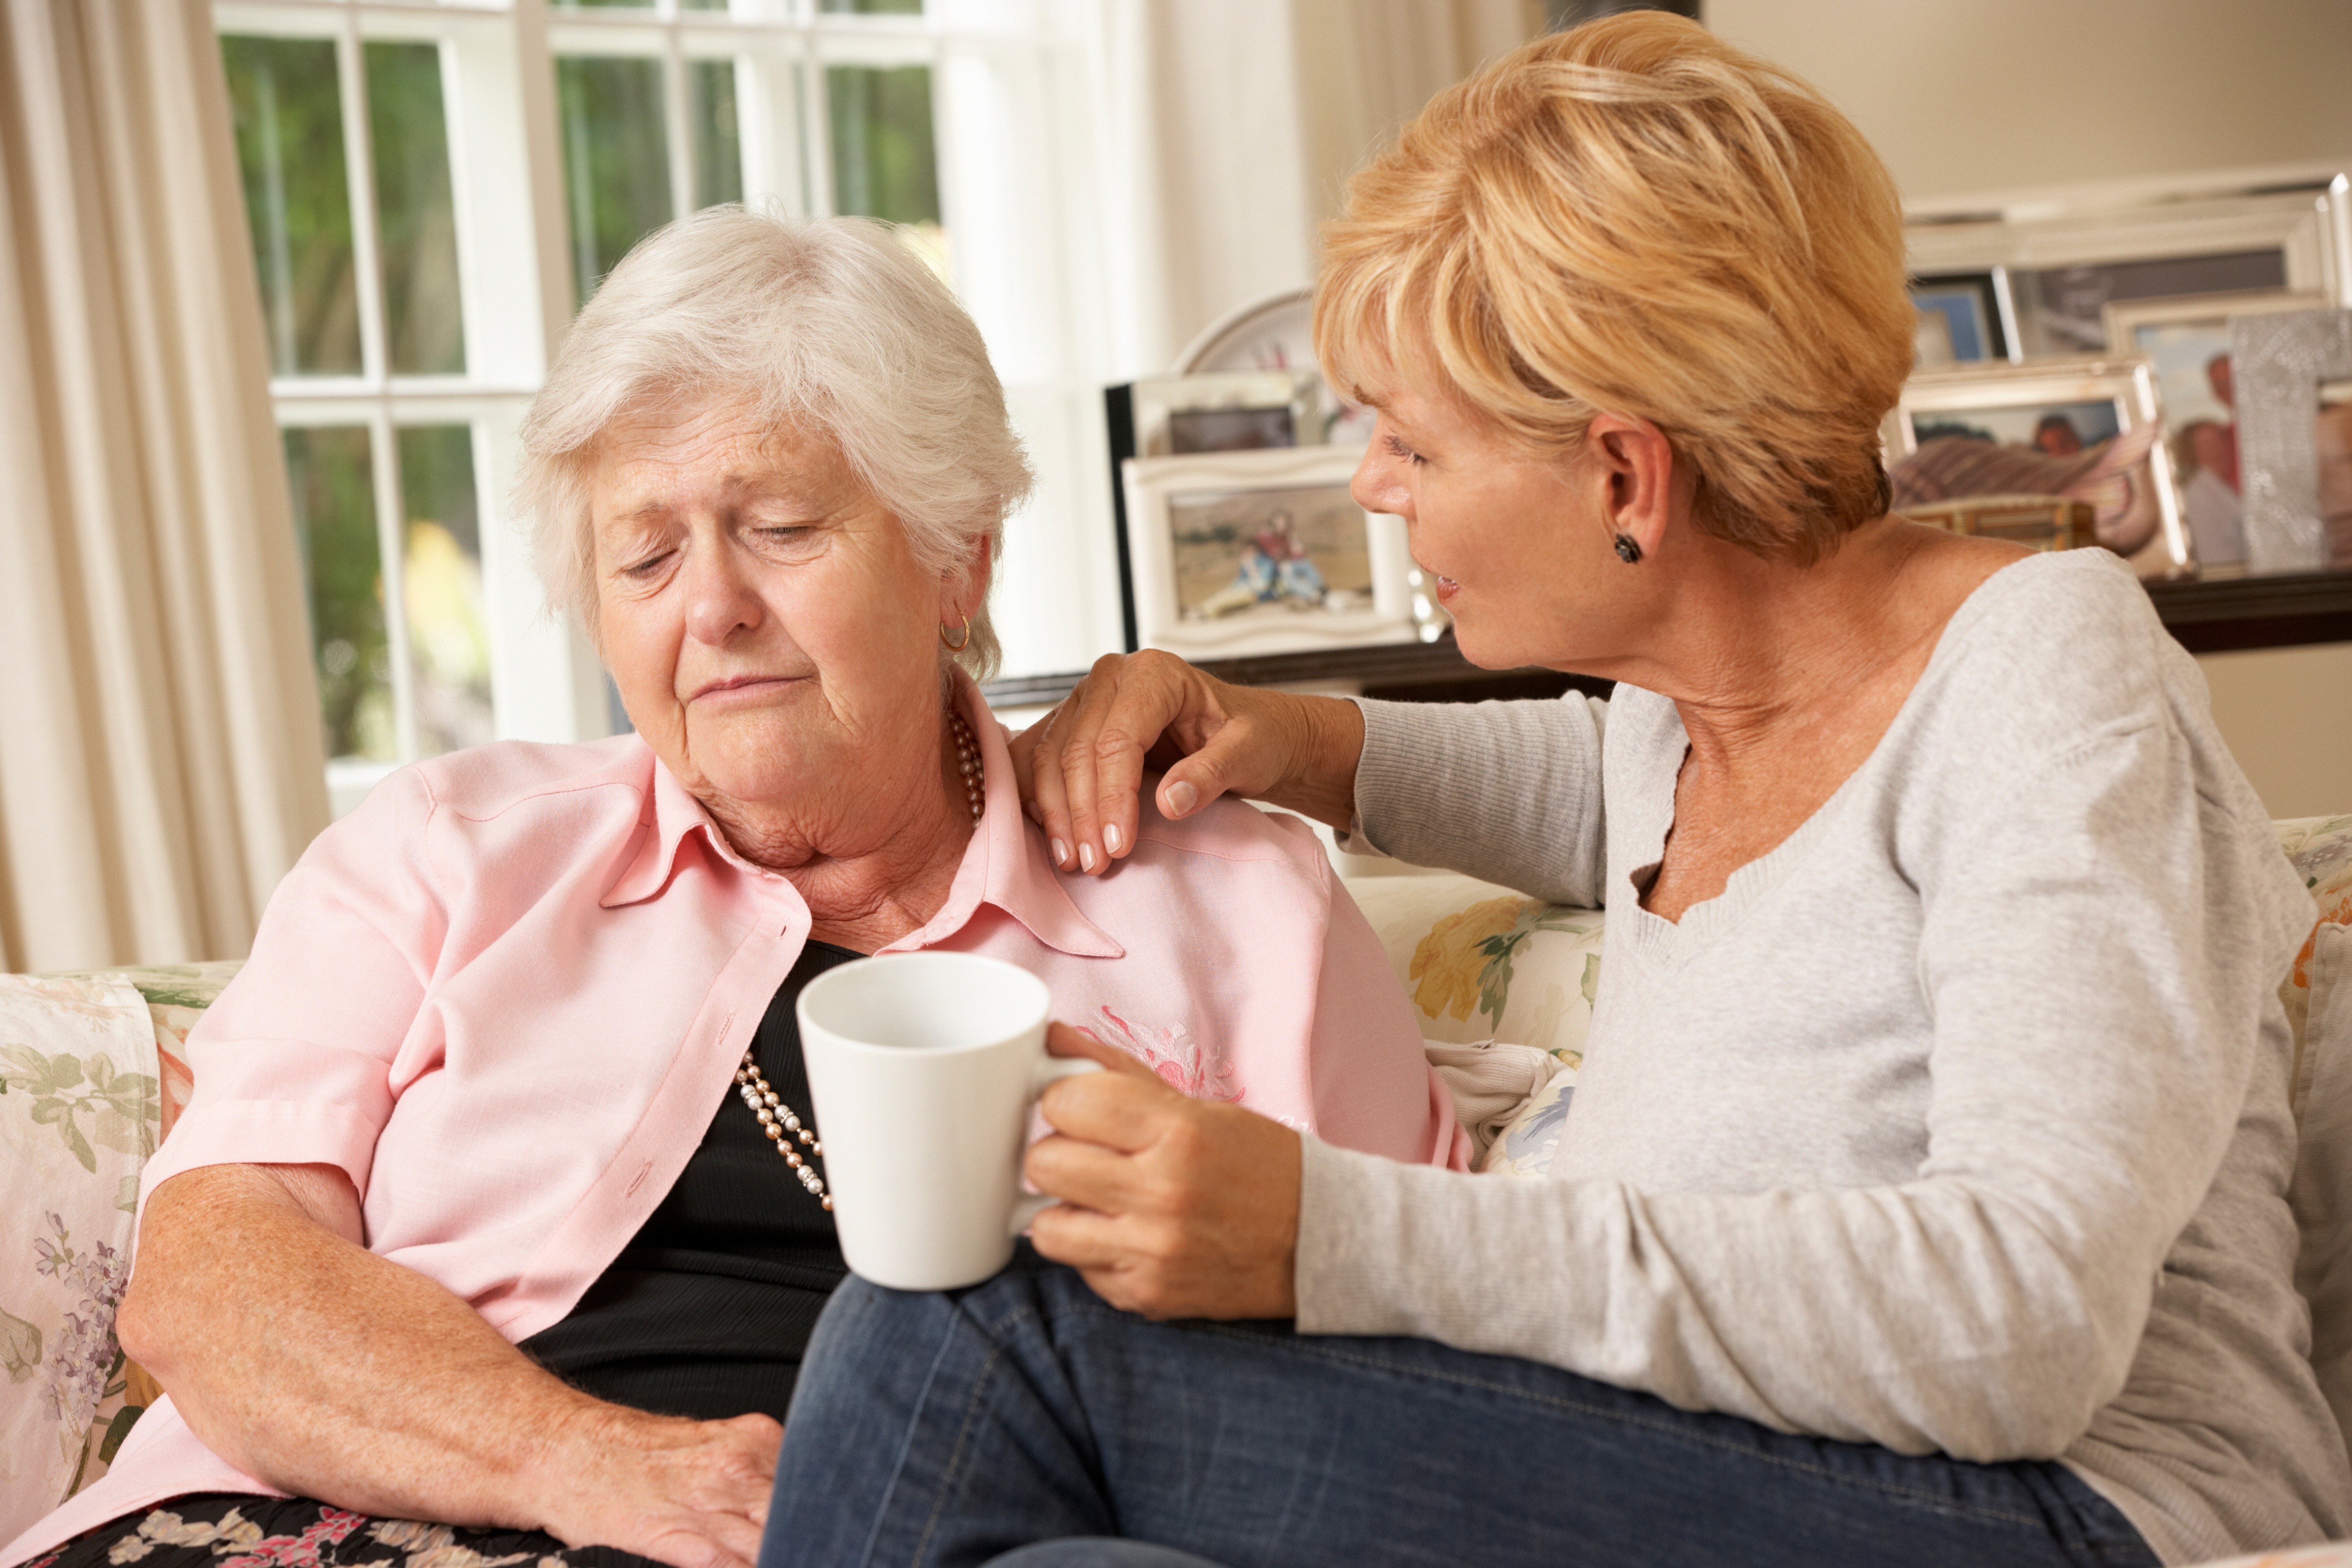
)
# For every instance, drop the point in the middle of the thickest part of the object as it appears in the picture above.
(1956, 1123)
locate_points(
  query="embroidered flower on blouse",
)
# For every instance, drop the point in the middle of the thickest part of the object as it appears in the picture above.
(1174, 1054)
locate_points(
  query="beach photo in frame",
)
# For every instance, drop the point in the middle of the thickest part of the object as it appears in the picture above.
(1245, 553)
(2085, 429)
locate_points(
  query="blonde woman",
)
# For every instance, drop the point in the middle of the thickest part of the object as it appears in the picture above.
(1923, 1197)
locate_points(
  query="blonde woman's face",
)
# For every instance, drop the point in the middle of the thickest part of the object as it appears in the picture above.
(769, 629)
(1518, 545)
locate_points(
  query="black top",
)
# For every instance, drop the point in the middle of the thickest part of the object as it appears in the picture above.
(706, 1310)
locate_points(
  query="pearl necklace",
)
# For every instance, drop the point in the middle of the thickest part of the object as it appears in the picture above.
(776, 1119)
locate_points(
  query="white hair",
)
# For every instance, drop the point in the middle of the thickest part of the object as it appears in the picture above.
(833, 323)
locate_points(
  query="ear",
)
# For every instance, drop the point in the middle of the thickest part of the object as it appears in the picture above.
(964, 589)
(1636, 462)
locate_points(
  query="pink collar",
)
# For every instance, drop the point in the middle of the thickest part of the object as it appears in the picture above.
(1004, 866)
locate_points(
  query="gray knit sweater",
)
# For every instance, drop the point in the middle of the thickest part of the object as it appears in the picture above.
(1957, 1122)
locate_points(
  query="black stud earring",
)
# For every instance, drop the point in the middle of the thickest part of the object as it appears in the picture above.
(1627, 551)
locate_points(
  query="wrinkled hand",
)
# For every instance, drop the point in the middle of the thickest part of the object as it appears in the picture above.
(1171, 1208)
(1081, 767)
(693, 1494)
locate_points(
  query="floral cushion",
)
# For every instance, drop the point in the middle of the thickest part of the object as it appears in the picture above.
(80, 1110)
(2318, 992)
(1484, 964)
(2320, 849)
(2338, 1556)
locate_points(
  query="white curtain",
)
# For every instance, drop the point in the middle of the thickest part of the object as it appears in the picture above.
(160, 747)
(1232, 126)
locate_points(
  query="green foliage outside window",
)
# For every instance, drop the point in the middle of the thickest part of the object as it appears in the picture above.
(885, 161)
(416, 224)
(334, 519)
(288, 113)
(448, 630)
(718, 137)
(615, 159)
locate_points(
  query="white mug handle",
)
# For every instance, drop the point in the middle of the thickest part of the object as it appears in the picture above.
(1052, 1069)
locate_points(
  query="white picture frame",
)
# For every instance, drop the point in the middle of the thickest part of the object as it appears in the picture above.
(1197, 525)
(2193, 324)
(1982, 395)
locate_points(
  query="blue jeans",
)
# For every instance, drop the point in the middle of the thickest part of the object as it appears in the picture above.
(946, 1429)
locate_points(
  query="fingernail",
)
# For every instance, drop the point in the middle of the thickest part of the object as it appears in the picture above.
(1181, 798)
(1111, 839)
(1061, 853)
(1086, 857)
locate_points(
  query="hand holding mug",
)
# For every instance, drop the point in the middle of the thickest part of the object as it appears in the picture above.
(1171, 1206)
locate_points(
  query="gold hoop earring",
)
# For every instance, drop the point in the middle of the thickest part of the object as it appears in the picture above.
(956, 646)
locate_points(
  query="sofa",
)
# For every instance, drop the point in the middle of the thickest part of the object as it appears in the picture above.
(93, 1072)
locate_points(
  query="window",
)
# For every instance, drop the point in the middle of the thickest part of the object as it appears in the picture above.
(421, 238)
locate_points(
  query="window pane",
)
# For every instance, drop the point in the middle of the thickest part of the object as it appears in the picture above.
(449, 633)
(717, 146)
(883, 163)
(416, 222)
(615, 159)
(334, 519)
(876, 7)
(288, 111)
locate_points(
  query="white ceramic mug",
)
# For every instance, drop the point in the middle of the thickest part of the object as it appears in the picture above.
(924, 1067)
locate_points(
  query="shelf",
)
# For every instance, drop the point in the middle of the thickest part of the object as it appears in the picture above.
(2283, 611)
(2206, 616)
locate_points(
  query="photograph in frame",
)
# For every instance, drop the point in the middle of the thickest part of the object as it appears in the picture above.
(1247, 553)
(2187, 339)
(2077, 430)
(1963, 317)
(1227, 411)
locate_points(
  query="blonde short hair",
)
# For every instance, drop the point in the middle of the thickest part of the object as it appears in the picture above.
(1635, 217)
(834, 323)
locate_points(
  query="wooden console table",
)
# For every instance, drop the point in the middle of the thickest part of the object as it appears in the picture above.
(2213, 616)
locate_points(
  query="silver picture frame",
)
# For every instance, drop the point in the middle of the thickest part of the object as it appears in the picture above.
(2281, 361)
(1981, 397)
(1205, 532)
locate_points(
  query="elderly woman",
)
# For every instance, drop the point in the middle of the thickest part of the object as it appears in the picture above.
(1922, 1198)
(493, 1205)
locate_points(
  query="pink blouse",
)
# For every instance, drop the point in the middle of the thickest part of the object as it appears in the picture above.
(508, 993)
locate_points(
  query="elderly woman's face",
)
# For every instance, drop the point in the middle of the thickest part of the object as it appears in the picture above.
(771, 631)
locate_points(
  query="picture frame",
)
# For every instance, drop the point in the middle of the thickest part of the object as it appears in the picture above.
(2188, 338)
(1969, 316)
(1241, 553)
(2089, 428)
(2294, 394)
(2182, 334)
(1227, 411)
(2069, 252)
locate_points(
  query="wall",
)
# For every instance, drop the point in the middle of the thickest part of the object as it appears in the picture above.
(1963, 97)
(2287, 715)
